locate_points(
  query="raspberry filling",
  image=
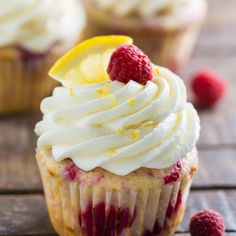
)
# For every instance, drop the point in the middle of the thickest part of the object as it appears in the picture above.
(175, 173)
(71, 172)
(173, 207)
(110, 227)
(95, 221)
(87, 220)
(157, 229)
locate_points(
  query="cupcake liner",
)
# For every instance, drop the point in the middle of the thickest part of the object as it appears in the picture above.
(167, 46)
(24, 80)
(101, 203)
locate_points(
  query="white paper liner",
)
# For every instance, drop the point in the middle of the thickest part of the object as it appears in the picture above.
(86, 210)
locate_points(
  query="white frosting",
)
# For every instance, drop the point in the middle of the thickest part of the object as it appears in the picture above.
(37, 25)
(132, 126)
(150, 8)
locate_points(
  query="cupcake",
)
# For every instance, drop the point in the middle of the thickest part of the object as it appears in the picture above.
(33, 35)
(116, 147)
(166, 30)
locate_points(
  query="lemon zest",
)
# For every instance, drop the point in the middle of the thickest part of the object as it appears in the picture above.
(60, 118)
(112, 152)
(114, 102)
(121, 132)
(104, 91)
(134, 134)
(71, 90)
(131, 102)
(150, 124)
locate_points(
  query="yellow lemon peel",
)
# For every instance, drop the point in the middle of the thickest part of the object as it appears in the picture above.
(87, 62)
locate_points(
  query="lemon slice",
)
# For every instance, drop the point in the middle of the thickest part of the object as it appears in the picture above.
(87, 62)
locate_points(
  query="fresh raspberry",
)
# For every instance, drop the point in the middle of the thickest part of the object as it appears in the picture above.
(129, 63)
(208, 88)
(207, 223)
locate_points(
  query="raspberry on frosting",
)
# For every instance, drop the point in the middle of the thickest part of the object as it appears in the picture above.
(127, 63)
(207, 223)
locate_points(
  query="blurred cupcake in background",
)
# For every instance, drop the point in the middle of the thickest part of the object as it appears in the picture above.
(165, 29)
(33, 34)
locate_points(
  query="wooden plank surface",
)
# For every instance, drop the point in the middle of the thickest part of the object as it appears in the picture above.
(23, 214)
(216, 169)
(18, 168)
(27, 214)
(219, 31)
(218, 126)
(219, 200)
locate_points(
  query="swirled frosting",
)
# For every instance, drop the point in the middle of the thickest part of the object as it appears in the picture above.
(36, 25)
(150, 8)
(120, 127)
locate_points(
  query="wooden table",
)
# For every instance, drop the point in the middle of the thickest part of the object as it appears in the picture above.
(22, 206)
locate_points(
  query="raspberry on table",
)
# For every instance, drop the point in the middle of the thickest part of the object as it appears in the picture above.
(207, 223)
(208, 88)
(127, 63)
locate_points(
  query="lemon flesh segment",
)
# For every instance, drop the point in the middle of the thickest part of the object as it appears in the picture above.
(87, 62)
